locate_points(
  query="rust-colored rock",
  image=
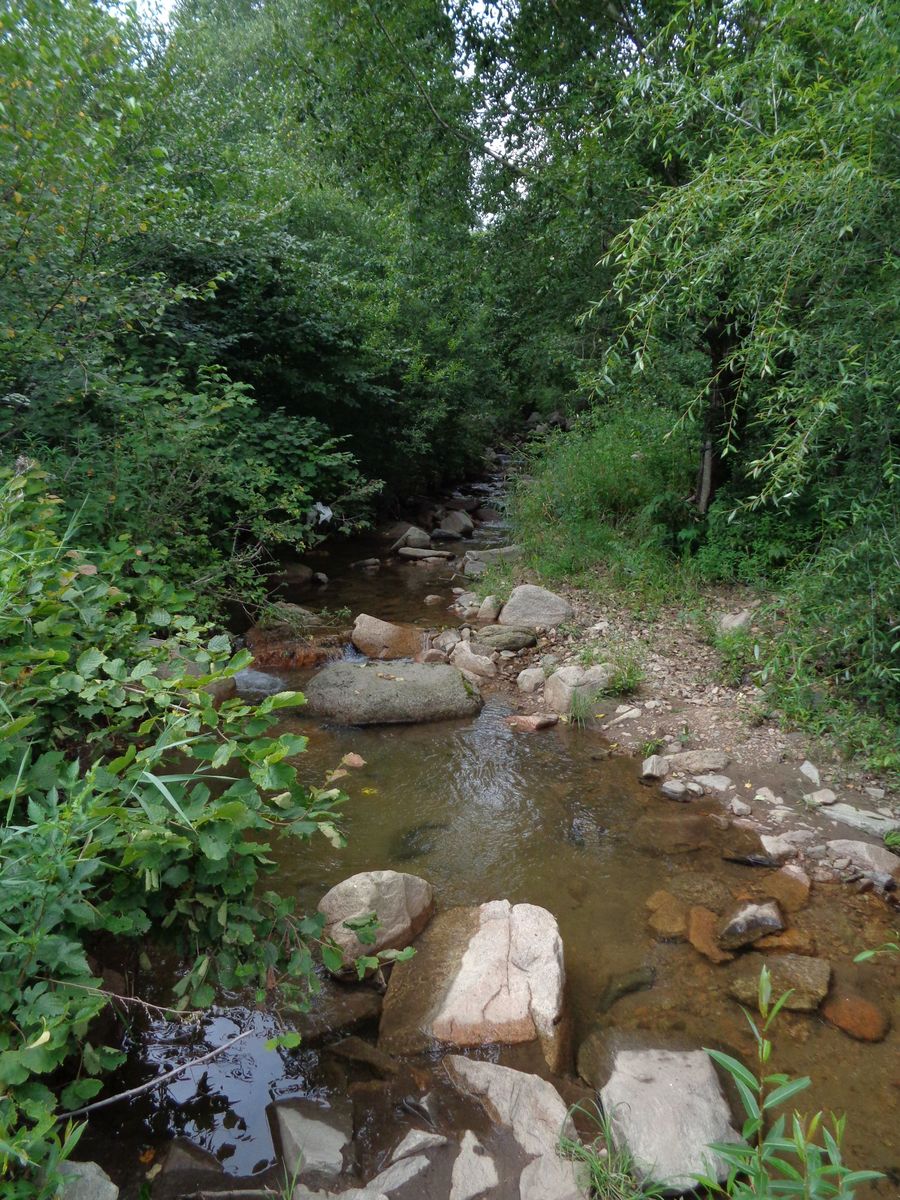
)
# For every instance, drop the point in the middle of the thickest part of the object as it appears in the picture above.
(790, 887)
(791, 941)
(859, 1018)
(702, 934)
(668, 916)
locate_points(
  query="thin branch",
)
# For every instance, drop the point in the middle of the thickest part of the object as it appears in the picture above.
(733, 115)
(462, 135)
(154, 1083)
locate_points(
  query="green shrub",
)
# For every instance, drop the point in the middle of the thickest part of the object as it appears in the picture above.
(132, 807)
(610, 494)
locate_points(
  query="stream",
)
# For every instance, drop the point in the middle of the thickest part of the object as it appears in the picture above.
(484, 812)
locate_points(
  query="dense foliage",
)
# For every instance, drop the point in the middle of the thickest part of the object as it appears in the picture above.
(267, 268)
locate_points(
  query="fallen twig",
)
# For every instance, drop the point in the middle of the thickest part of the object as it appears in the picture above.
(148, 1087)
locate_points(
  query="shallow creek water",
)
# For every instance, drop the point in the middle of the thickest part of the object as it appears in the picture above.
(550, 818)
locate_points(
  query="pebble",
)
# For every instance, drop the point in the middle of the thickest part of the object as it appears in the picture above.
(820, 798)
(740, 809)
(674, 790)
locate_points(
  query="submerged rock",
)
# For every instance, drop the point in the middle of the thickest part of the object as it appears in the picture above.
(666, 1108)
(531, 607)
(372, 694)
(857, 1017)
(316, 1144)
(702, 924)
(474, 1171)
(403, 904)
(806, 978)
(418, 841)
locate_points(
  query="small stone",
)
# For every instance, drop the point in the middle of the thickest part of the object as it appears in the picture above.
(715, 783)
(820, 798)
(489, 609)
(669, 918)
(433, 599)
(702, 924)
(779, 849)
(530, 680)
(748, 923)
(766, 794)
(532, 722)
(877, 793)
(655, 767)
(674, 790)
(739, 808)
(858, 1018)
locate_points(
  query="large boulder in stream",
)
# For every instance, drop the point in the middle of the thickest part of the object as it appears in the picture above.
(532, 607)
(491, 974)
(373, 694)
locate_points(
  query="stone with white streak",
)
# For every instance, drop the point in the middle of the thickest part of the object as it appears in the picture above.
(864, 819)
(666, 1107)
(481, 975)
(510, 983)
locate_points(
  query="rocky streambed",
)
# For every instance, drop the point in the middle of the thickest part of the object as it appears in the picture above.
(586, 916)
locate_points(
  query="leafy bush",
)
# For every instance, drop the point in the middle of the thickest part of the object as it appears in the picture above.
(202, 480)
(134, 806)
(610, 494)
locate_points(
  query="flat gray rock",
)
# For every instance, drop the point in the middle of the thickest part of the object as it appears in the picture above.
(382, 694)
(667, 1107)
(863, 819)
(313, 1142)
